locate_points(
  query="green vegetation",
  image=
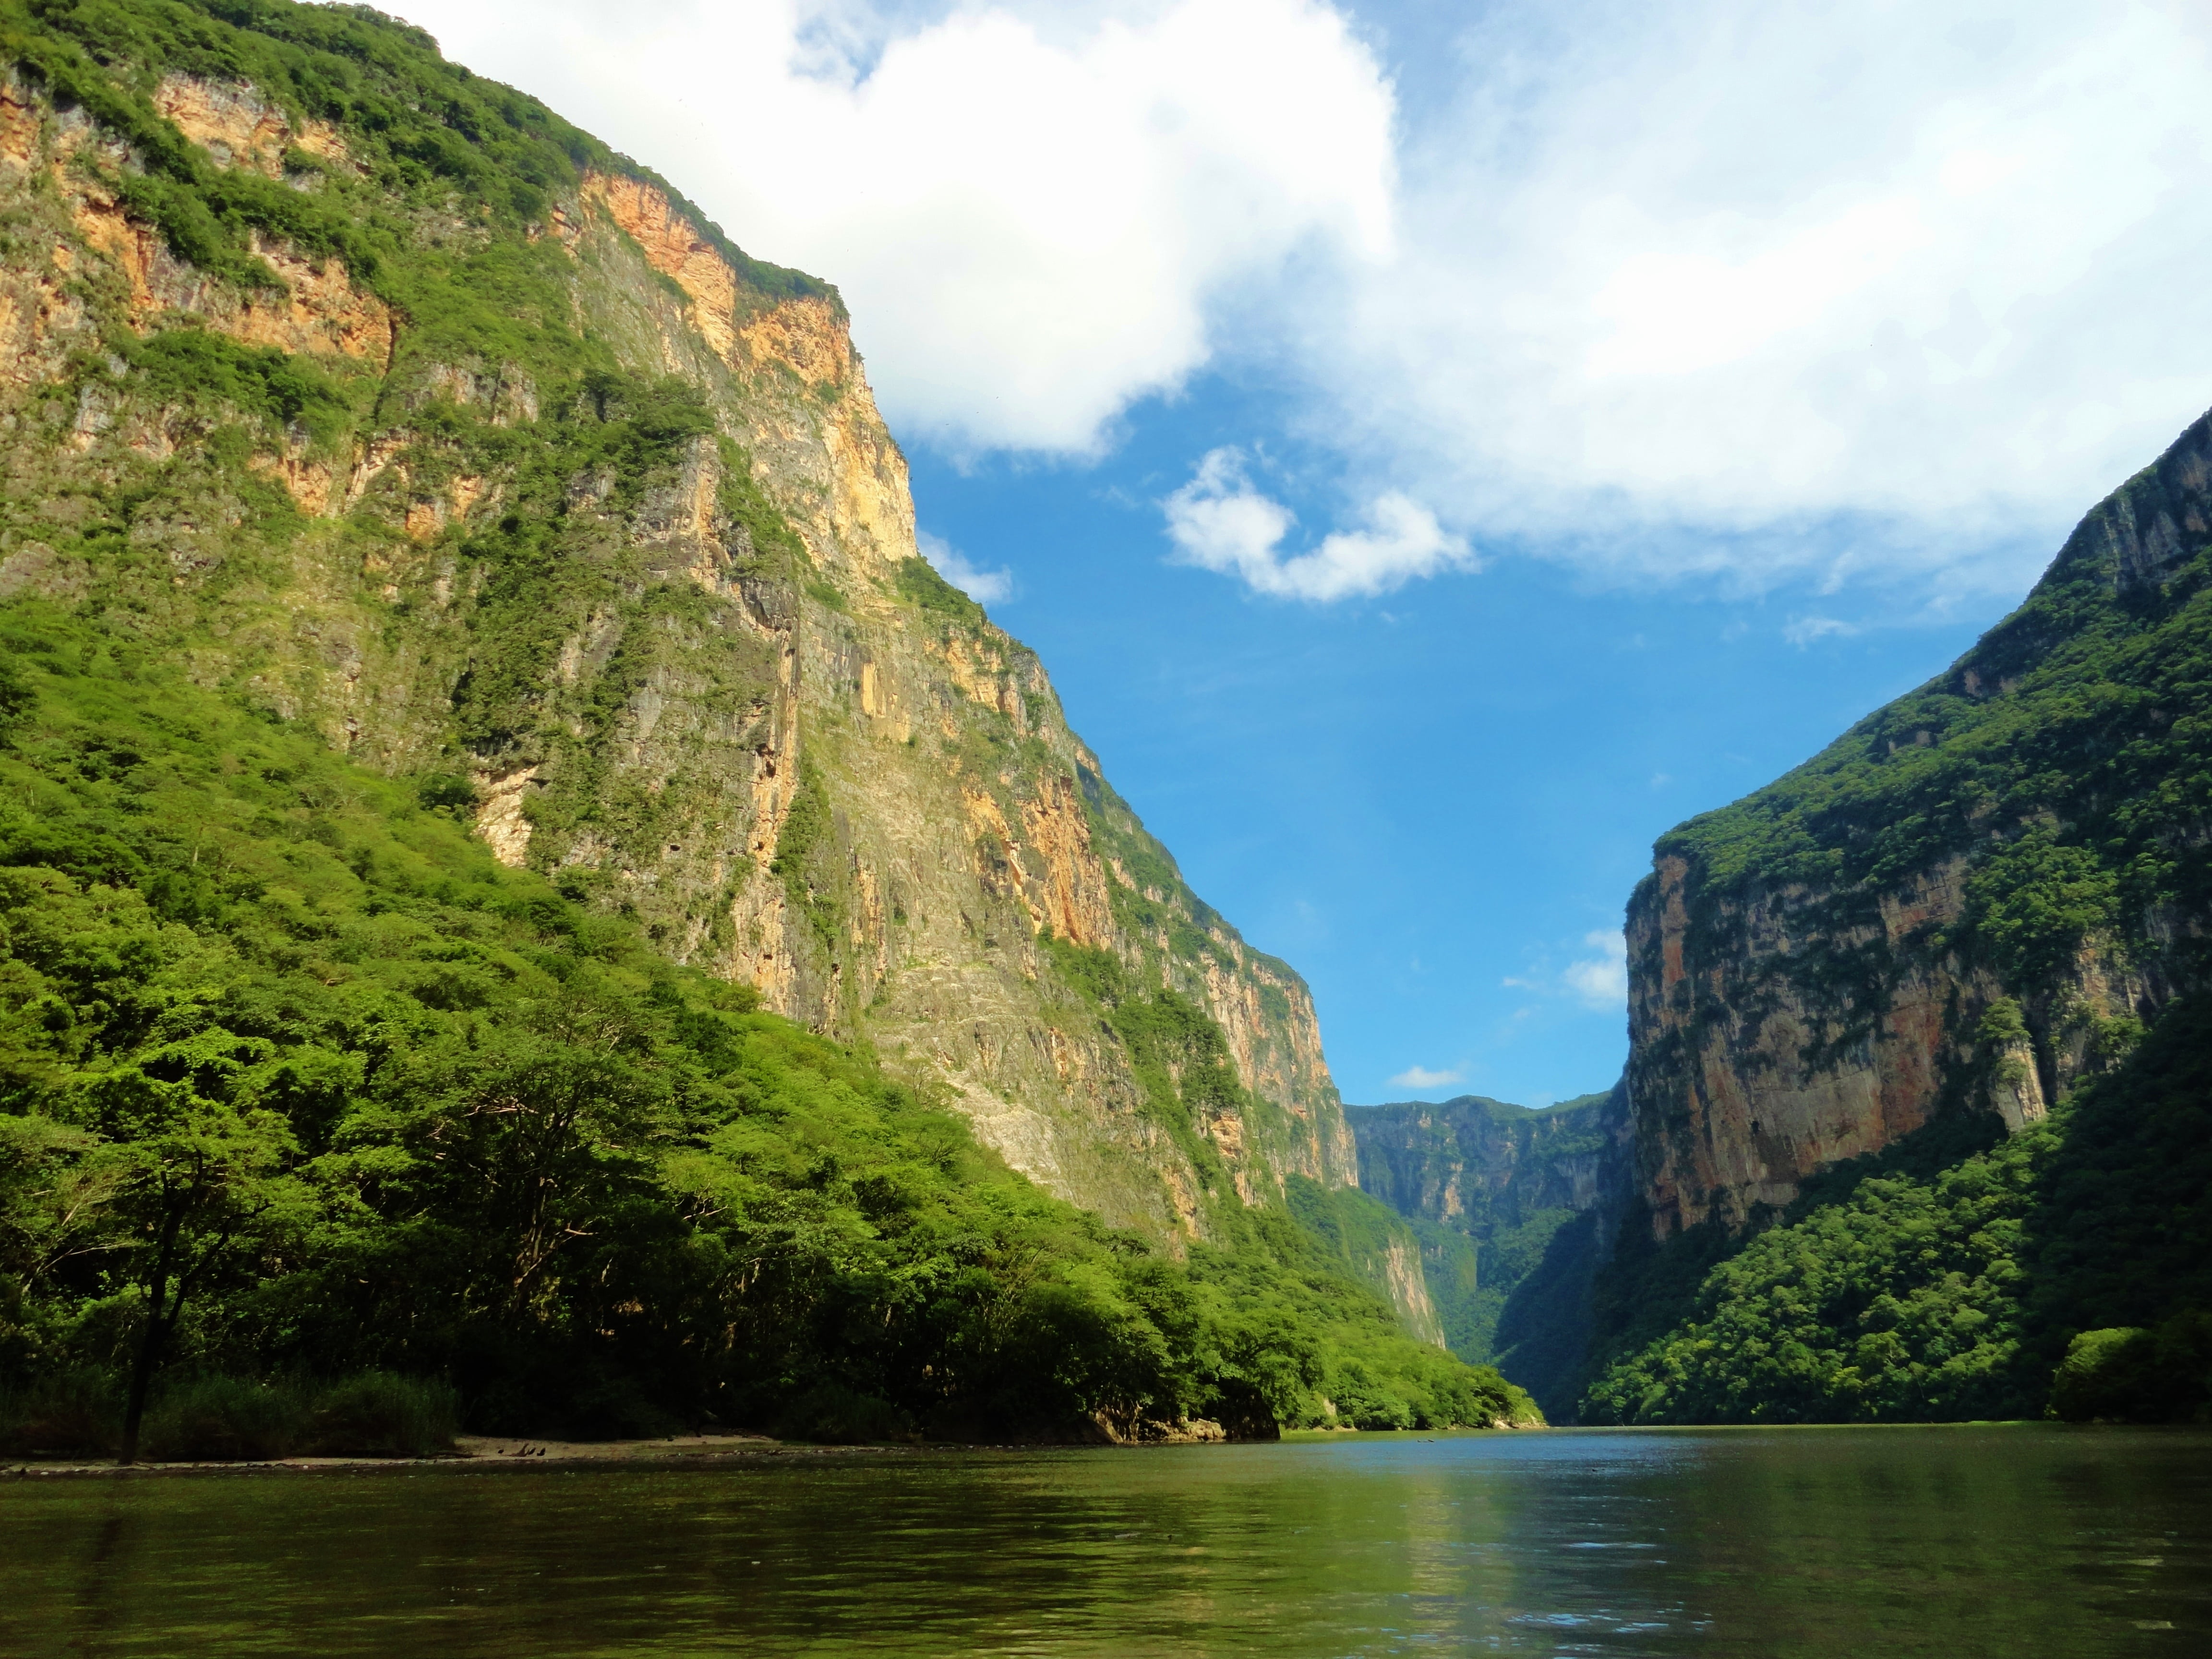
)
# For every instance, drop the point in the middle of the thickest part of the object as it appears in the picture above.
(425, 135)
(2067, 1268)
(919, 581)
(2128, 1375)
(1901, 1304)
(1535, 1195)
(2065, 757)
(1364, 1371)
(190, 368)
(296, 1083)
(210, 1418)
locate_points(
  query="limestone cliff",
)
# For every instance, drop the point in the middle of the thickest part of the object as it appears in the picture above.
(1514, 1210)
(1977, 895)
(1473, 1160)
(473, 447)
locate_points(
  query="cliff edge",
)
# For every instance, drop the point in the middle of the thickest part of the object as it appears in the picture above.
(1979, 895)
(389, 402)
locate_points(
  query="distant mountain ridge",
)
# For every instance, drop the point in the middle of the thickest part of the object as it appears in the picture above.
(1514, 1208)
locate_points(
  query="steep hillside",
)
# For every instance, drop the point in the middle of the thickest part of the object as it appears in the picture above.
(2061, 1268)
(378, 396)
(1919, 1032)
(1514, 1209)
(1976, 896)
(398, 463)
(296, 1081)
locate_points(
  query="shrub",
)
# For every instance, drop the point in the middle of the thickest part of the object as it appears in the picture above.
(222, 1419)
(1365, 1404)
(834, 1415)
(380, 1414)
(71, 1413)
(2130, 1374)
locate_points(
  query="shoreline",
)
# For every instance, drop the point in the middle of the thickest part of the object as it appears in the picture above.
(474, 1452)
(490, 1454)
(486, 1454)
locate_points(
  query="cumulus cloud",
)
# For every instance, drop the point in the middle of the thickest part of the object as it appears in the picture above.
(1601, 980)
(1219, 521)
(984, 587)
(1029, 211)
(1819, 291)
(1914, 275)
(1420, 1077)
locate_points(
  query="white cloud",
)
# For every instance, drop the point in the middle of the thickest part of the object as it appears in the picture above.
(1680, 284)
(1601, 980)
(1219, 521)
(1028, 214)
(984, 587)
(1801, 631)
(1714, 289)
(1420, 1077)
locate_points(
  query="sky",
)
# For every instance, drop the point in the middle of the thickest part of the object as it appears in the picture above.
(1435, 448)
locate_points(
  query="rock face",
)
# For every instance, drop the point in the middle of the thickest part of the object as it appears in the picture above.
(1514, 1210)
(586, 512)
(1477, 1162)
(1973, 897)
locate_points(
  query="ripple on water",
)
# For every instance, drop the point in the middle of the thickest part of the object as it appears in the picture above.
(2022, 1540)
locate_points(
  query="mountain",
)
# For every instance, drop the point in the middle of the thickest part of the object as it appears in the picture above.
(1969, 900)
(1515, 1209)
(352, 393)
(417, 417)
(1902, 994)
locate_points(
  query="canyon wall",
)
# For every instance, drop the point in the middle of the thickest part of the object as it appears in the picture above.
(1478, 1162)
(1978, 895)
(572, 510)
(1515, 1211)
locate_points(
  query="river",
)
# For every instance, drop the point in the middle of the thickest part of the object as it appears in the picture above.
(1890, 1542)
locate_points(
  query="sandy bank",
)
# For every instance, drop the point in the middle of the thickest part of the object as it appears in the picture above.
(483, 1452)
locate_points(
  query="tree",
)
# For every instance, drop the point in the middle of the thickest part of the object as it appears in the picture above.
(201, 1176)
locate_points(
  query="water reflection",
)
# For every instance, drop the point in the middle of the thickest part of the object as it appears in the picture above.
(1952, 1541)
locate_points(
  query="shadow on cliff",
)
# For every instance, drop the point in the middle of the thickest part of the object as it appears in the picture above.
(1642, 1287)
(1544, 1331)
(2092, 1228)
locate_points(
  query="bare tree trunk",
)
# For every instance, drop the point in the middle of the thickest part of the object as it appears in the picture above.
(159, 1320)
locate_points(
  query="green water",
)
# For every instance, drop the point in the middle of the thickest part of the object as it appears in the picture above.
(1871, 1542)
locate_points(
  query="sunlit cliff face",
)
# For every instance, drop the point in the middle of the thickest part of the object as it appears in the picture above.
(753, 729)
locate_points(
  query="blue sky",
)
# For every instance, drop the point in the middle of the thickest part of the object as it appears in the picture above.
(1434, 803)
(1436, 448)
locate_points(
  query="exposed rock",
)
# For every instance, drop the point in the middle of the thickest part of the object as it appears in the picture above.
(500, 817)
(237, 126)
(1782, 1022)
(801, 776)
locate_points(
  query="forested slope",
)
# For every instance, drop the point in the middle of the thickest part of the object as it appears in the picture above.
(516, 874)
(1902, 1137)
(288, 1061)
